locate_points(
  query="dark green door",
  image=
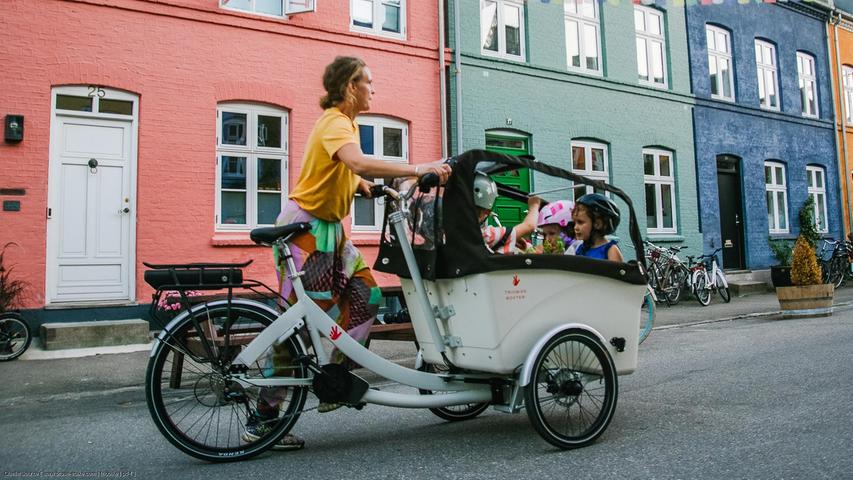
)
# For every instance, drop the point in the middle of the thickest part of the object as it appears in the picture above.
(510, 212)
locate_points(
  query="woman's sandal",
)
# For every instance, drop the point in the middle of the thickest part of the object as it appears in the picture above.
(328, 407)
(291, 441)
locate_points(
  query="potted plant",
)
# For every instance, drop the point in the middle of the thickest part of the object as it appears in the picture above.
(780, 274)
(808, 297)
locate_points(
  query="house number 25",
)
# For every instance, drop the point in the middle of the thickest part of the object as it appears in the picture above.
(96, 90)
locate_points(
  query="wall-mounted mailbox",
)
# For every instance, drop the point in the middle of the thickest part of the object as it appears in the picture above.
(14, 128)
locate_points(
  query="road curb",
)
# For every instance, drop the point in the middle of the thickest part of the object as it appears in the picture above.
(744, 316)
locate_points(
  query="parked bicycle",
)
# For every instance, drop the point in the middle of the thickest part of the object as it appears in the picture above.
(834, 258)
(707, 277)
(667, 272)
(15, 336)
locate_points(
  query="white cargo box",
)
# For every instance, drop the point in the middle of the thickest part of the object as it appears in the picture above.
(500, 316)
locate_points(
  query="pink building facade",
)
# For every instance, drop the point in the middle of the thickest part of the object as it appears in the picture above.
(162, 131)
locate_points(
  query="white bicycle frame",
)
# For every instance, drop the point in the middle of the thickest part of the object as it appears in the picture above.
(304, 312)
(710, 277)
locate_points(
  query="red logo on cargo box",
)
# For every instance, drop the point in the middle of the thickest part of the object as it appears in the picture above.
(515, 280)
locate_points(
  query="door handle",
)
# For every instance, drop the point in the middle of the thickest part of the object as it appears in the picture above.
(123, 210)
(737, 219)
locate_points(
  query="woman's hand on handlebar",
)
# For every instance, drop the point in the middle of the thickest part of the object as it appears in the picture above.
(440, 168)
(368, 189)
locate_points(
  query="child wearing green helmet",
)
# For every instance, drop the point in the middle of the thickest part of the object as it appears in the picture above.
(501, 240)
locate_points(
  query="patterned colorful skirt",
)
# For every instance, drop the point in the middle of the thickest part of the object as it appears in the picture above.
(336, 275)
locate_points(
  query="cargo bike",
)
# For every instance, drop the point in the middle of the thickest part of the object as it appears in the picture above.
(549, 334)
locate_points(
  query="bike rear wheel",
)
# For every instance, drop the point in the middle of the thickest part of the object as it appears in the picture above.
(700, 288)
(15, 336)
(452, 413)
(203, 410)
(672, 286)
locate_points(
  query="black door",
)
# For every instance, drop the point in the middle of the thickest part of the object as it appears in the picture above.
(731, 211)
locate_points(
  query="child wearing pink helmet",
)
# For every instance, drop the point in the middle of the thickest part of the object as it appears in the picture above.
(555, 220)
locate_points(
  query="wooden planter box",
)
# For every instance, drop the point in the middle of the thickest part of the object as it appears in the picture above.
(806, 301)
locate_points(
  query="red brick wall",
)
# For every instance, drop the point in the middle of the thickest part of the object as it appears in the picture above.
(182, 57)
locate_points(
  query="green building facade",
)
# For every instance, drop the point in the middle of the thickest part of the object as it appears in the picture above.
(582, 104)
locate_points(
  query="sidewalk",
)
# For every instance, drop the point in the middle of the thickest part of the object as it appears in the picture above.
(761, 305)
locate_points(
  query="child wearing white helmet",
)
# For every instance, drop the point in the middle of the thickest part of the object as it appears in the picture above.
(501, 240)
(555, 221)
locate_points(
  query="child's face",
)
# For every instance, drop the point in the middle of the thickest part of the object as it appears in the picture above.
(482, 213)
(551, 232)
(583, 224)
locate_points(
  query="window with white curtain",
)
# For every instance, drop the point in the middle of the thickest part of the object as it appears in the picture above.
(817, 190)
(847, 81)
(383, 139)
(776, 191)
(651, 46)
(251, 159)
(659, 180)
(502, 28)
(590, 160)
(380, 17)
(583, 44)
(720, 63)
(808, 84)
(768, 80)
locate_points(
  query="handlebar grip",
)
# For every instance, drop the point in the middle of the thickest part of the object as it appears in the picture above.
(428, 181)
(377, 191)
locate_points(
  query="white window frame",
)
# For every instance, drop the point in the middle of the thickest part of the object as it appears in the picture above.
(659, 181)
(847, 81)
(765, 70)
(379, 124)
(777, 185)
(807, 75)
(818, 193)
(501, 53)
(378, 13)
(587, 171)
(574, 14)
(717, 57)
(252, 153)
(287, 8)
(652, 39)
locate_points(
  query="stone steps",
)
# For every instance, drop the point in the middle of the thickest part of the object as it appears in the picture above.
(58, 336)
(742, 288)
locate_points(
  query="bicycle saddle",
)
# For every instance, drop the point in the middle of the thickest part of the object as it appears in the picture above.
(268, 235)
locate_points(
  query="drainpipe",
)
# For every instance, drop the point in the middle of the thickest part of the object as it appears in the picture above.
(843, 111)
(457, 47)
(441, 79)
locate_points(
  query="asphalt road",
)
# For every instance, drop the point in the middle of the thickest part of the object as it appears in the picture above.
(755, 398)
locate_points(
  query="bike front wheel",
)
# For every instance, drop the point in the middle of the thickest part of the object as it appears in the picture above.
(15, 336)
(200, 407)
(723, 288)
(647, 316)
(572, 393)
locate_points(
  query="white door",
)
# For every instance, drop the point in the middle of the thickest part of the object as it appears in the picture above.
(91, 210)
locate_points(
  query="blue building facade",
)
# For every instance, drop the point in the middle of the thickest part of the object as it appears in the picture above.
(762, 126)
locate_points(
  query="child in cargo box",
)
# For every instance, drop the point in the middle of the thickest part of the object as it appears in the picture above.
(501, 240)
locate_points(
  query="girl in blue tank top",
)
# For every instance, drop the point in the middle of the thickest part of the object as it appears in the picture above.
(596, 216)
